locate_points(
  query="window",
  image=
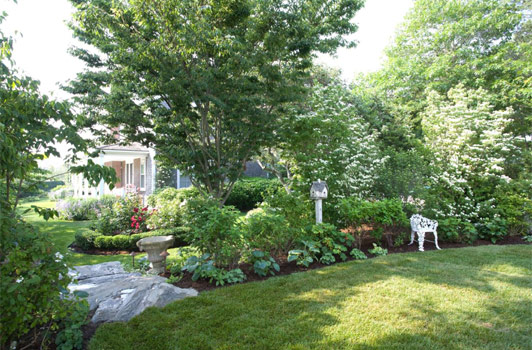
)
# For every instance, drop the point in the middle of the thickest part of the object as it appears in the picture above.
(129, 173)
(143, 174)
(184, 181)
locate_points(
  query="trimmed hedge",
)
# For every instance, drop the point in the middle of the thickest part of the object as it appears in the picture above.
(94, 240)
(249, 192)
(246, 195)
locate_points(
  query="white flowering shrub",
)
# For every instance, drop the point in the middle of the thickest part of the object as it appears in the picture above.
(332, 143)
(469, 144)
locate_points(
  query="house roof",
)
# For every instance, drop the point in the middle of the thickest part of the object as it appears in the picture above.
(134, 147)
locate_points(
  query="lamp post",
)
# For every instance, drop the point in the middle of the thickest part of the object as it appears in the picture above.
(318, 192)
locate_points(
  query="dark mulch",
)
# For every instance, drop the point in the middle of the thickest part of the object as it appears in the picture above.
(77, 249)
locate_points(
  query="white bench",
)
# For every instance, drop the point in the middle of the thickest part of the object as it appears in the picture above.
(422, 225)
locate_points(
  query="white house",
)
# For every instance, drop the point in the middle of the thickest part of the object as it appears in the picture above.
(135, 169)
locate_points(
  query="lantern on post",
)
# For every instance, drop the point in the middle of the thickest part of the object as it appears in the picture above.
(319, 191)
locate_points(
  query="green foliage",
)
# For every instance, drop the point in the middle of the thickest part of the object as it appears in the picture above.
(378, 251)
(267, 230)
(249, 192)
(169, 207)
(527, 238)
(263, 263)
(32, 280)
(452, 229)
(380, 215)
(210, 92)
(295, 207)
(85, 240)
(326, 140)
(71, 335)
(202, 267)
(399, 240)
(306, 255)
(443, 43)
(358, 254)
(92, 240)
(331, 242)
(492, 229)
(215, 231)
(124, 209)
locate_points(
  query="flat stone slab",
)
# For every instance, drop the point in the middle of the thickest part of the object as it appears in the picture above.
(116, 295)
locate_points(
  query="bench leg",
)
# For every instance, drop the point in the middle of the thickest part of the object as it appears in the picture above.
(412, 232)
(421, 239)
(436, 240)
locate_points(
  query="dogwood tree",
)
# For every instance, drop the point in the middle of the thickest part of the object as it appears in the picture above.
(468, 140)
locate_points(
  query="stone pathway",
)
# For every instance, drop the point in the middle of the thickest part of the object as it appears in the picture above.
(117, 295)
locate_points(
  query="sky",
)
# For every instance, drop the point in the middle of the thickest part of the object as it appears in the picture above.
(42, 39)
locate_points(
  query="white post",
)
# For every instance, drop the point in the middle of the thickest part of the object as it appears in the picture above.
(319, 217)
(102, 183)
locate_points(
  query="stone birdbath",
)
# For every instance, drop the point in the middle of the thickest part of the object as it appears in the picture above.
(154, 246)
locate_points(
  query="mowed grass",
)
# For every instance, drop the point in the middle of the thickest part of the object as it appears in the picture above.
(469, 298)
(63, 232)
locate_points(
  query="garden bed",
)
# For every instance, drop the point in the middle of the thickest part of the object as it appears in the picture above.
(287, 268)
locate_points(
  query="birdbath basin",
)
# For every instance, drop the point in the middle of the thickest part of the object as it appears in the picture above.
(154, 246)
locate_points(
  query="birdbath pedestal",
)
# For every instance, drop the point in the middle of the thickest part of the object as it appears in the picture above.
(154, 246)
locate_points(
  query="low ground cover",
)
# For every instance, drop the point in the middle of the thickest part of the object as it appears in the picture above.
(470, 298)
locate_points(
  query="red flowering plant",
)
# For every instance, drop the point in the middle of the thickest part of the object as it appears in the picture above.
(138, 220)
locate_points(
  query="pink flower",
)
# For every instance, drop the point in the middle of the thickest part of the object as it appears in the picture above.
(132, 224)
(133, 218)
(136, 210)
(145, 209)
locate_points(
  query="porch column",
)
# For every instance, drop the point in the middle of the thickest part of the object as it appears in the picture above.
(102, 183)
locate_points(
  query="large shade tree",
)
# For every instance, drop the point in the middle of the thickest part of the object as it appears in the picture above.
(205, 83)
(478, 43)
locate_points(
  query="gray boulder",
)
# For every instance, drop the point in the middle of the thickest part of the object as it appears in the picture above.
(116, 295)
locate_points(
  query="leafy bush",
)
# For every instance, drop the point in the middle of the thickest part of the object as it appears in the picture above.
(215, 231)
(92, 240)
(85, 240)
(124, 209)
(453, 229)
(378, 251)
(204, 268)
(108, 223)
(358, 254)
(306, 255)
(169, 205)
(380, 215)
(296, 208)
(249, 192)
(267, 230)
(33, 282)
(263, 263)
(71, 335)
(492, 229)
(83, 208)
(331, 242)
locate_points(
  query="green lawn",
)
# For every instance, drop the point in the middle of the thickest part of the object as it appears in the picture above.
(469, 298)
(63, 232)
